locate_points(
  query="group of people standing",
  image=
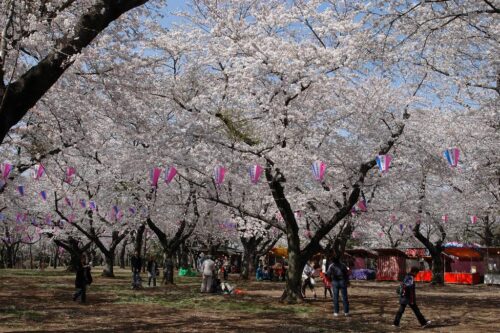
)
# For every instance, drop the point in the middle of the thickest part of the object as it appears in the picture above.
(336, 281)
(137, 264)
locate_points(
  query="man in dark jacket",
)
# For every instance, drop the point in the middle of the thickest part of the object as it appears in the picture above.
(338, 273)
(136, 263)
(83, 278)
(407, 296)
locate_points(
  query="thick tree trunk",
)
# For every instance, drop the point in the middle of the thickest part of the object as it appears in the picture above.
(168, 268)
(183, 256)
(56, 258)
(109, 262)
(9, 254)
(292, 292)
(248, 258)
(437, 268)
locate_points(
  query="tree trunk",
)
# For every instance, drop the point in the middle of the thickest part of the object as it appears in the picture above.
(109, 262)
(292, 292)
(168, 268)
(122, 254)
(9, 254)
(31, 257)
(183, 256)
(248, 258)
(437, 268)
(56, 258)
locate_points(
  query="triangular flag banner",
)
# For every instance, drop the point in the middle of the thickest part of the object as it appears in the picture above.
(83, 203)
(401, 227)
(383, 162)
(92, 205)
(219, 174)
(155, 175)
(43, 194)
(255, 171)
(5, 170)
(452, 155)
(170, 174)
(20, 189)
(318, 169)
(444, 218)
(362, 205)
(68, 202)
(39, 171)
(473, 219)
(70, 175)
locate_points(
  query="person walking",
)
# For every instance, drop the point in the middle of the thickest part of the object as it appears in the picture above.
(136, 263)
(339, 276)
(82, 279)
(152, 271)
(207, 269)
(407, 296)
(308, 276)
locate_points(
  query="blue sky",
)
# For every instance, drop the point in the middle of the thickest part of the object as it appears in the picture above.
(172, 7)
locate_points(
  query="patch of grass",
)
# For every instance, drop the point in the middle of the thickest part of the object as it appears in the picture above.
(196, 301)
(31, 315)
(33, 272)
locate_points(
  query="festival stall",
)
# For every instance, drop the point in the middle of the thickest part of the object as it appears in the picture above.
(492, 262)
(391, 264)
(463, 265)
(420, 257)
(362, 264)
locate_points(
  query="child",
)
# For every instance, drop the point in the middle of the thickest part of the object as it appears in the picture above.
(327, 284)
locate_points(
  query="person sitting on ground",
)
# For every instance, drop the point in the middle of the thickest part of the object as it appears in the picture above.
(407, 296)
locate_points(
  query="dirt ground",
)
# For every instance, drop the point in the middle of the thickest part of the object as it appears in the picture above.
(41, 302)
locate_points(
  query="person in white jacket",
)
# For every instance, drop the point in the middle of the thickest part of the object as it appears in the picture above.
(207, 270)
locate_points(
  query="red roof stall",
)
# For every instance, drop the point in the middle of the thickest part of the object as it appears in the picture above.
(463, 265)
(391, 264)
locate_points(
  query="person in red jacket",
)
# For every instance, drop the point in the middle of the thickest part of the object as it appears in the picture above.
(407, 296)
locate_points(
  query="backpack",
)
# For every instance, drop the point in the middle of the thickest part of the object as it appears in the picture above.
(337, 272)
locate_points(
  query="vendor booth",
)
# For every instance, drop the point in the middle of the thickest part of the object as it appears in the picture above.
(463, 265)
(391, 264)
(420, 258)
(491, 257)
(361, 264)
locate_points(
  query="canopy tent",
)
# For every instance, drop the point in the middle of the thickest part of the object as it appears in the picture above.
(280, 251)
(463, 253)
